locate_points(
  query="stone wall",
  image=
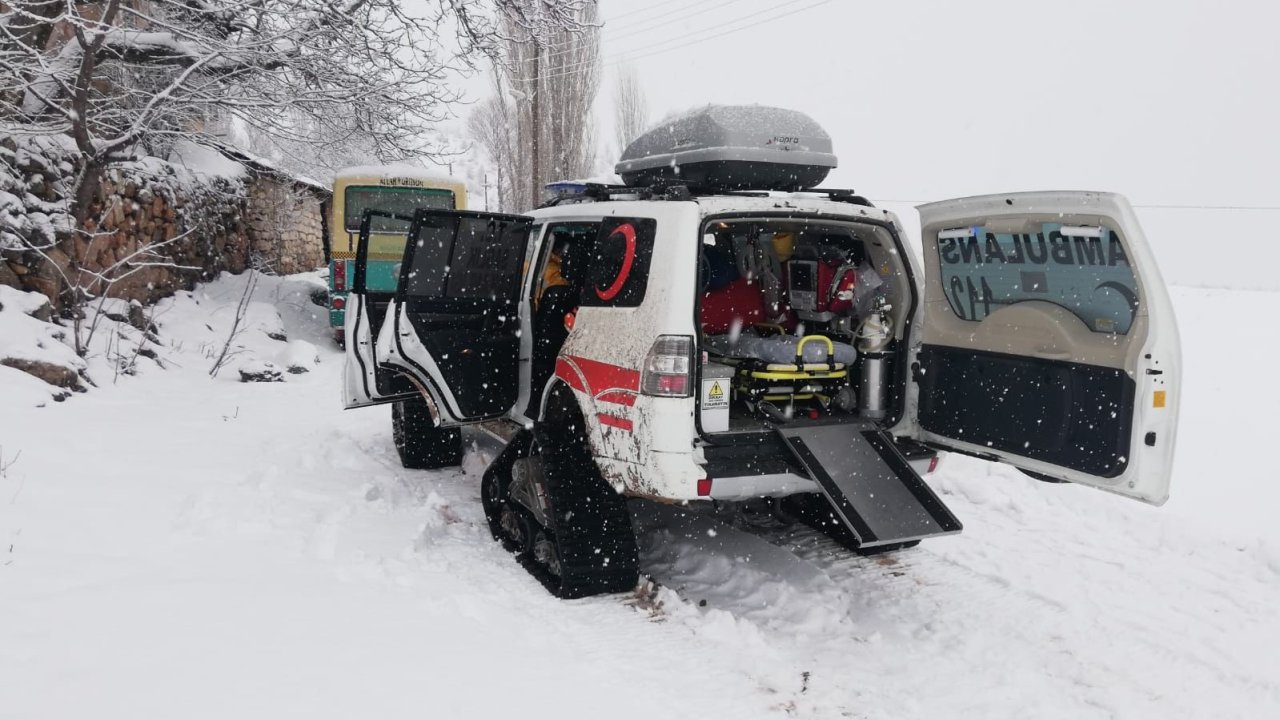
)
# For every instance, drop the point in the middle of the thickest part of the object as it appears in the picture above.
(285, 220)
(162, 227)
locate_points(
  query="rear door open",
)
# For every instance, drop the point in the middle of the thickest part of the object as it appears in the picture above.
(364, 382)
(1049, 340)
(454, 326)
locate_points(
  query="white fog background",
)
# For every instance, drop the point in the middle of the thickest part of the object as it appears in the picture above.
(1174, 104)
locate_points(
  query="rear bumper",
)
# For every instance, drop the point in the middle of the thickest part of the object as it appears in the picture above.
(746, 487)
(662, 476)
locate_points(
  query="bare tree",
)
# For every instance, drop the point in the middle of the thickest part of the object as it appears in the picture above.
(116, 79)
(538, 127)
(492, 124)
(229, 348)
(570, 80)
(630, 107)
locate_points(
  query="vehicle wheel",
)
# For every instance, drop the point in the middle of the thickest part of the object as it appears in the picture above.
(422, 445)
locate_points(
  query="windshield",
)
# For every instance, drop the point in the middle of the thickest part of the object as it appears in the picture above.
(400, 200)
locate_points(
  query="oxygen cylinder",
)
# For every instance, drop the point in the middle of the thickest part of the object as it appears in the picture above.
(874, 336)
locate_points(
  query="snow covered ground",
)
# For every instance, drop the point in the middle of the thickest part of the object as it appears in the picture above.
(178, 546)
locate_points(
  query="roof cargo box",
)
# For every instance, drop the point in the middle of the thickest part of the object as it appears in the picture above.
(731, 147)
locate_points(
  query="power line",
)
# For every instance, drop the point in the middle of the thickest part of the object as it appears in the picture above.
(1211, 207)
(1163, 206)
(641, 29)
(648, 21)
(643, 9)
(719, 35)
(643, 25)
(657, 49)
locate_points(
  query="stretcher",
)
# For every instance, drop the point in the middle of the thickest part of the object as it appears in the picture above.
(757, 379)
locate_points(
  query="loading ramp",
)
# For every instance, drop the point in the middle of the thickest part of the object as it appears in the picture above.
(870, 485)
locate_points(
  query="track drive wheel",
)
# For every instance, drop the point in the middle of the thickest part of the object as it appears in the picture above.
(509, 523)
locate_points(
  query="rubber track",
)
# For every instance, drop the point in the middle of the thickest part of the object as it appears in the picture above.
(593, 532)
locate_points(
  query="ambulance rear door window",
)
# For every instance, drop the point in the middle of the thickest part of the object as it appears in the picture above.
(619, 267)
(1084, 270)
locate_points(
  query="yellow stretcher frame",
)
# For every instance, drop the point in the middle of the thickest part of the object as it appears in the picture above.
(810, 380)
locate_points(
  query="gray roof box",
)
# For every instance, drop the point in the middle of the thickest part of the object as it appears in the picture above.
(731, 147)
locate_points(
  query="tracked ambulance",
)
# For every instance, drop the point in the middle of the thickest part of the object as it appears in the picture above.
(721, 328)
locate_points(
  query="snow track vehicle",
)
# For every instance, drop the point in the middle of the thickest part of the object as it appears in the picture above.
(722, 329)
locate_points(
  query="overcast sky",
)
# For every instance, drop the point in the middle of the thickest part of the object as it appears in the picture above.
(1169, 102)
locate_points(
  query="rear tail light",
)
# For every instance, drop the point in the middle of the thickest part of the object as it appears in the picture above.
(339, 303)
(933, 464)
(704, 487)
(340, 275)
(668, 367)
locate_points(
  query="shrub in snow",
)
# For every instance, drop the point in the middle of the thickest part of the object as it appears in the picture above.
(263, 317)
(33, 345)
(299, 357)
(260, 371)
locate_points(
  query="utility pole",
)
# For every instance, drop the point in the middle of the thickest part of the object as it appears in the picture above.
(486, 191)
(535, 190)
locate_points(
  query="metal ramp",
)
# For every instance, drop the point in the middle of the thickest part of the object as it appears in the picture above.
(869, 484)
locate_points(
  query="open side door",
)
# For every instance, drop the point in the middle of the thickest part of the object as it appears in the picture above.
(364, 382)
(1049, 340)
(454, 326)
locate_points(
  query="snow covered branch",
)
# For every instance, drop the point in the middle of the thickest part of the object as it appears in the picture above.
(327, 81)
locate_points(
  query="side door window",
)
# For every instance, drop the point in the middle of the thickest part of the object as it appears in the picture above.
(618, 272)
(566, 256)
(466, 260)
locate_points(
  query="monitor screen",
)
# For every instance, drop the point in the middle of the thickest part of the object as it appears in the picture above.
(800, 276)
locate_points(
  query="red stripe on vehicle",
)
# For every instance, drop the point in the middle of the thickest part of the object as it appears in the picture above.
(618, 397)
(602, 376)
(570, 374)
(615, 421)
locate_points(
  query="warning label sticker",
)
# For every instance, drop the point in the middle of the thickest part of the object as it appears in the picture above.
(714, 396)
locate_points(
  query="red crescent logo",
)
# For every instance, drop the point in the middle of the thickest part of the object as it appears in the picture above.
(628, 233)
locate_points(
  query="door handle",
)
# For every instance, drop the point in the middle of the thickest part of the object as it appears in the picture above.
(1048, 354)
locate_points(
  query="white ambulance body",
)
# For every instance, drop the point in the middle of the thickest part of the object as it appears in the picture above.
(1037, 332)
